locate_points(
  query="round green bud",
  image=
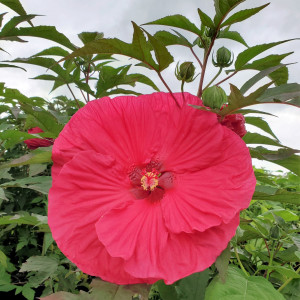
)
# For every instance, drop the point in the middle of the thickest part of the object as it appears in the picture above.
(214, 97)
(185, 72)
(224, 58)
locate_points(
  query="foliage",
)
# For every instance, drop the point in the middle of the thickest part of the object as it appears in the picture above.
(262, 259)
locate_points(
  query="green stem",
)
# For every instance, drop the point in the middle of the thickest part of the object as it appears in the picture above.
(239, 261)
(288, 281)
(197, 58)
(226, 78)
(271, 260)
(77, 103)
(215, 77)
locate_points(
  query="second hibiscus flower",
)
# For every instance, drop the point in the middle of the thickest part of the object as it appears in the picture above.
(144, 190)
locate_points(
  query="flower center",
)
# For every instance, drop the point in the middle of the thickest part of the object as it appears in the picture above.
(149, 180)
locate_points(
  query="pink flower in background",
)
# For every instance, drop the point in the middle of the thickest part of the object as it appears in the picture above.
(143, 190)
(37, 142)
(236, 123)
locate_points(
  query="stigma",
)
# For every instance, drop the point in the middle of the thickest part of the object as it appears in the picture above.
(149, 180)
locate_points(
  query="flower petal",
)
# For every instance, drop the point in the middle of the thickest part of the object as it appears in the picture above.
(213, 195)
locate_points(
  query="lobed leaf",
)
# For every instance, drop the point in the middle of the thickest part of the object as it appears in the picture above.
(260, 123)
(231, 35)
(205, 19)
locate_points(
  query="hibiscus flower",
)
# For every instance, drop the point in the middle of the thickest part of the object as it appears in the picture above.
(37, 142)
(144, 190)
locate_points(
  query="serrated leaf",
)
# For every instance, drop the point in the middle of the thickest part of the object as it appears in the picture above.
(282, 196)
(11, 66)
(288, 255)
(193, 286)
(239, 286)
(55, 51)
(231, 35)
(46, 32)
(248, 84)
(11, 25)
(177, 21)
(168, 39)
(87, 37)
(280, 76)
(16, 6)
(40, 263)
(243, 15)
(222, 263)
(260, 123)
(223, 8)
(289, 273)
(284, 93)
(205, 19)
(256, 138)
(251, 52)
(253, 111)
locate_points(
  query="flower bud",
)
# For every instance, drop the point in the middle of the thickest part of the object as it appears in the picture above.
(214, 97)
(185, 72)
(224, 58)
(235, 122)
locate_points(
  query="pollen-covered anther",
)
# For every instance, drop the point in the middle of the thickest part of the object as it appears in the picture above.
(149, 180)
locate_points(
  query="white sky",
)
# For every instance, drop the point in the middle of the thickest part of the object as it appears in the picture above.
(279, 21)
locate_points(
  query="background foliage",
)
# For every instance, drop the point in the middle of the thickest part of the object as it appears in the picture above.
(261, 261)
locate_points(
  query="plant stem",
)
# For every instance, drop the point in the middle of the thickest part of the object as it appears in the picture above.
(226, 78)
(271, 260)
(215, 77)
(165, 84)
(197, 58)
(288, 281)
(267, 246)
(239, 261)
(77, 103)
(82, 93)
(87, 80)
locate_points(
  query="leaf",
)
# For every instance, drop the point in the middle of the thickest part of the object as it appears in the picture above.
(243, 15)
(40, 184)
(239, 286)
(35, 157)
(3, 259)
(163, 56)
(2, 195)
(167, 292)
(231, 35)
(260, 123)
(169, 39)
(282, 196)
(248, 84)
(11, 25)
(46, 32)
(15, 5)
(289, 273)
(205, 19)
(28, 292)
(281, 94)
(256, 138)
(222, 263)
(223, 8)
(139, 49)
(251, 52)
(193, 286)
(266, 62)
(280, 76)
(11, 66)
(177, 21)
(55, 51)
(87, 37)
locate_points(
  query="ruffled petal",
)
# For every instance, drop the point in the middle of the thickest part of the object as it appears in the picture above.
(213, 195)
(183, 254)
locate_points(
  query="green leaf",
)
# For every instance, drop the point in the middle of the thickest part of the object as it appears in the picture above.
(193, 286)
(11, 66)
(163, 56)
(260, 123)
(251, 52)
(289, 273)
(282, 196)
(243, 15)
(256, 138)
(3, 259)
(167, 292)
(231, 35)
(23, 218)
(222, 263)
(55, 51)
(46, 32)
(2, 195)
(239, 286)
(35, 157)
(281, 94)
(28, 292)
(87, 37)
(169, 39)
(139, 49)
(205, 19)
(252, 81)
(223, 8)
(11, 25)
(15, 5)
(177, 21)
(280, 76)
(266, 62)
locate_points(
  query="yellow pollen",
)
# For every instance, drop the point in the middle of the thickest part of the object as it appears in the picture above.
(149, 181)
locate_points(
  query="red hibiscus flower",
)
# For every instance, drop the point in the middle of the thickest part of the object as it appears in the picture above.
(144, 190)
(37, 142)
(234, 122)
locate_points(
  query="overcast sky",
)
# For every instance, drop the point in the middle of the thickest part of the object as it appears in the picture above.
(279, 21)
